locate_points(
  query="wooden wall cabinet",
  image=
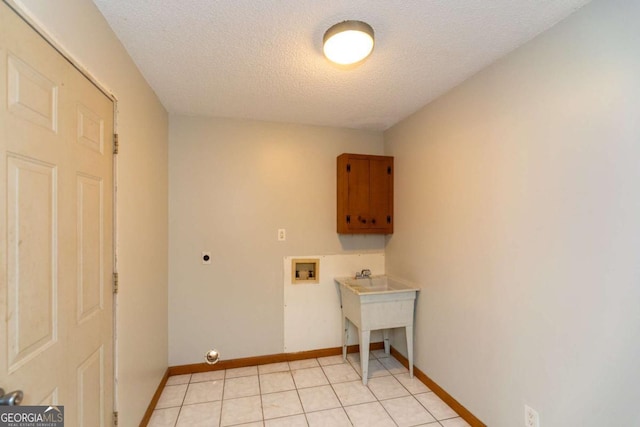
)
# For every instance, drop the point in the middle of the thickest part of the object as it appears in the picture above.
(365, 194)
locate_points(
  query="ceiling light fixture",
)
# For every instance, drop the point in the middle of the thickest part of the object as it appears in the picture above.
(348, 42)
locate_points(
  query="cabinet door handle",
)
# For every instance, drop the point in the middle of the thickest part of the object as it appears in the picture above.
(373, 221)
(362, 220)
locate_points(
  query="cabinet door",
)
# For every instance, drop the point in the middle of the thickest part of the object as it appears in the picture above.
(381, 193)
(365, 194)
(358, 203)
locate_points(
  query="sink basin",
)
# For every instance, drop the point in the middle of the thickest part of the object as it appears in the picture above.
(375, 285)
(376, 302)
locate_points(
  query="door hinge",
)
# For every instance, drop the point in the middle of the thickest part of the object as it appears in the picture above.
(115, 283)
(388, 219)
(115, 419)
(388, 170)
(348, 167)
(116, 143)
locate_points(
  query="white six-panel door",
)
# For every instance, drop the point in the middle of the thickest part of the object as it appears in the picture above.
(56, 249)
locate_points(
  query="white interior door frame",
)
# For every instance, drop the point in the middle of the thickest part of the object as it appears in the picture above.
(39, 28)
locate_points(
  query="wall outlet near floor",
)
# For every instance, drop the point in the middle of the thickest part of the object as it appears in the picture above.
(282, 234)
(531, 417)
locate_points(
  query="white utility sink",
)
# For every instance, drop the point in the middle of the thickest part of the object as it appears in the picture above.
(372, 303)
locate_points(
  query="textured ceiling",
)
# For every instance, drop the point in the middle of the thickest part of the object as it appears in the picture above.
(263, 59)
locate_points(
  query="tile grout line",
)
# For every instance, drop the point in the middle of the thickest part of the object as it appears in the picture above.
(360, 380)
(394, 376)
(260, 394)
(224, 384)
(339, 401)
(374, 395)
(183, 398)
(304, 412)
(367, 386)
(348, 362)
(412, 395)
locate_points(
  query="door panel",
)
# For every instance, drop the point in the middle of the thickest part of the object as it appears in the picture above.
(56, 244)
(358, 190)
(381, 188)
(90, 129)
(90, 246)
(32, 318)
(31, 95)
(91, 390)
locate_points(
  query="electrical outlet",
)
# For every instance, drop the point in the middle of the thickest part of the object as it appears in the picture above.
(531, 417)
(206, 258)
(282, 234)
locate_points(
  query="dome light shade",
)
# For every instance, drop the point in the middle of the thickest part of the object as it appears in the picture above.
(348, 42)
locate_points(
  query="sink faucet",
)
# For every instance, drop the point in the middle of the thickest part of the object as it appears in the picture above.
(364, 274)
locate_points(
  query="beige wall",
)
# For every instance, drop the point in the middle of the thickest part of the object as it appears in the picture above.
(81, 30)
(518, 212)
(233, 184)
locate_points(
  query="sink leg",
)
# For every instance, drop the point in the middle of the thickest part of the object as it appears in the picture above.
(345, 336)
(387, 345)
(409, 332)
(364, 355)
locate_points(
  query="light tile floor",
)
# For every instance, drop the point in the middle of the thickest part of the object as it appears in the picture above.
(314, 392)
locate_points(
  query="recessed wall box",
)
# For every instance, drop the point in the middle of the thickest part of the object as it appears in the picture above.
(305, 270)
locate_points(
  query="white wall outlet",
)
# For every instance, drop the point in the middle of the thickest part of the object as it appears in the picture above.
(206, 258)
(531, 417)
(282, 234)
